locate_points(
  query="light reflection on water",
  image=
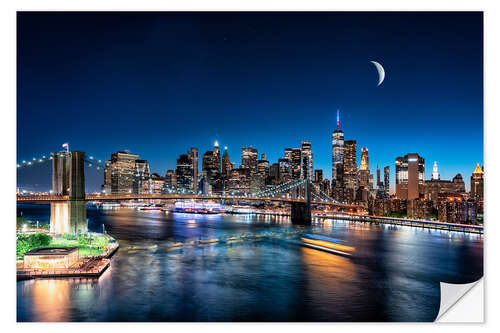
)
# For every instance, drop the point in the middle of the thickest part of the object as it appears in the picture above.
(166, 271)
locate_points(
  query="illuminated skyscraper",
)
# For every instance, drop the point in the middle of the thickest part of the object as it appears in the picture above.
(296, 165)
(307, 161)
(249, 158)
(285, 170)
(226, 163)
(288, 154)
(263, 167)
(386, 181)
(410, 173)
(193, 157)
(170, 181)
(119, 173)
(216, 160)
(477, 184)
(337, 148)
(435, 173)
(364, 159)
(365, 178)
(350, 179)
(141, 175)
(184, 173)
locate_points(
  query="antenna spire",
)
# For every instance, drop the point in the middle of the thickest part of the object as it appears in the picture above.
(338, 118)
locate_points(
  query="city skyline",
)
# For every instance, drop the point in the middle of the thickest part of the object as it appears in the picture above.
(213, 82)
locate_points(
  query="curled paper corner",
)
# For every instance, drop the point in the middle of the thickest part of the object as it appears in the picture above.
(455, 303)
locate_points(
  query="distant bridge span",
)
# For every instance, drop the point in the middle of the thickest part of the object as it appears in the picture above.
(173, 196)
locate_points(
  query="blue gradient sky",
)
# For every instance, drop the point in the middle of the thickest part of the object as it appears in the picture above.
(159, 83)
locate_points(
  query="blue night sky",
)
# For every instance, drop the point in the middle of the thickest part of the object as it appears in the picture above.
(159, 83)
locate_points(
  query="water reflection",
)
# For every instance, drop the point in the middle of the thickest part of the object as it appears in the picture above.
(192, 267)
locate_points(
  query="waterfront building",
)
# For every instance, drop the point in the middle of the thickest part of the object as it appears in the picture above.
(477, 184)
(249, 158)
(119, 173)
(435, 187)
(410, 173)
(307, 161)
(141, 176)
(454, 208)
(170, 181)
(155, 184)
(337, 150)
(421, 209)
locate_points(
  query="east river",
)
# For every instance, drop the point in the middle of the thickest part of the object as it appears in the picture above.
(191, 267)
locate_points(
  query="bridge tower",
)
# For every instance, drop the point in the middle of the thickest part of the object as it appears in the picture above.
(301, 211)
(68, 178)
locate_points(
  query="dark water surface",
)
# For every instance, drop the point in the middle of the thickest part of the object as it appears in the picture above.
(256, 271)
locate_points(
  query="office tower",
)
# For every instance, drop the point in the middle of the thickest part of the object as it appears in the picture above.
(337, 148)
(350, 179)
(217, 161)
(274, 173)
(364, 159)
(410, 173)
(435, 173)
(249, 157)
(263, 167)
(119, 173)
(325, 186)
(380, 193)
(318, 176)
(155, 184)
(296, 165)
(307, 161)
(141, 175)
(207, 163)
(386, 181)
(226, 164)
(365, 178)
(184, 173)
(193, 157)
(459, 183)
(477, 184)
(285, 170)
(288, 154)
(170, 181)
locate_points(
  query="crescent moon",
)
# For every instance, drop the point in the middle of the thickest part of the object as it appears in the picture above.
(381, 72)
